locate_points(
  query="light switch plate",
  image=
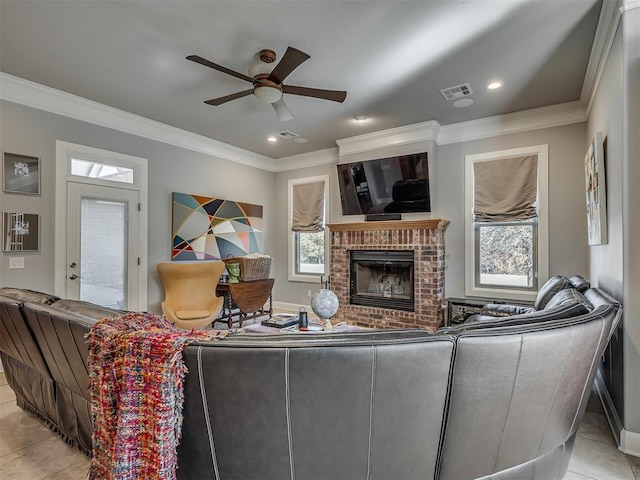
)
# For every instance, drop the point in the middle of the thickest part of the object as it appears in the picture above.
(16, 263)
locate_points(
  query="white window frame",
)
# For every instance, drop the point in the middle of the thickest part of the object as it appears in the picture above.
(65, 151)
(472, 288)
(293, 276)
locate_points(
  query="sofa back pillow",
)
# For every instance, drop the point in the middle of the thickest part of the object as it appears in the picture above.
(568, 296)
(549, 289)
(580, 283)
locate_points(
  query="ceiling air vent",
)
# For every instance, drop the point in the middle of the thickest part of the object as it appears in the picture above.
(286, 135)
(458, 91)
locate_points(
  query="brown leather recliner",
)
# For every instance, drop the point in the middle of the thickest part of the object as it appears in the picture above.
(190, 293)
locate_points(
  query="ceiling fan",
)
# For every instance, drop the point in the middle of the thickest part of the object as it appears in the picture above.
(267, 83)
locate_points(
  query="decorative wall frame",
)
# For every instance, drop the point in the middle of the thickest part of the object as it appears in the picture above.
(20, 174)
(20, 232)
(207, 228)
(596, 193)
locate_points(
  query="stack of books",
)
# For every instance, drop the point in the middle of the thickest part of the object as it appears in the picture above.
(281, 320)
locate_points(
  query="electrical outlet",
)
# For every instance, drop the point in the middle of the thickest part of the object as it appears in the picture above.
(16, 263)
(309, 293)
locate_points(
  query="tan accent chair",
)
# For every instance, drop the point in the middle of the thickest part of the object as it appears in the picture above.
(190, 299)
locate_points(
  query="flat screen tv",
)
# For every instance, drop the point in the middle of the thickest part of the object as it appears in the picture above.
(385, 186)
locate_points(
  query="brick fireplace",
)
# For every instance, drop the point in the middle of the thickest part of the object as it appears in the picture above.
(425, 238)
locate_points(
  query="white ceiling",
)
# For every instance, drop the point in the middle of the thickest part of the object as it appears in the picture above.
(392, 58)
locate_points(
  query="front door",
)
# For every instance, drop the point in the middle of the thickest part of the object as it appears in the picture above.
(102, 245)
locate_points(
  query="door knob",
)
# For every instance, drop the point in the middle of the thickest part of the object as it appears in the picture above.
(73, 276)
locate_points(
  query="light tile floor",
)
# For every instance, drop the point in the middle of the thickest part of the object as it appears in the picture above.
(29, 451)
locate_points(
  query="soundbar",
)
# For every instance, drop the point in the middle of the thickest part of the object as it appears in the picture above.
(377, 217)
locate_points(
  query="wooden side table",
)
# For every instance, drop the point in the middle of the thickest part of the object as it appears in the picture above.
(249, 298)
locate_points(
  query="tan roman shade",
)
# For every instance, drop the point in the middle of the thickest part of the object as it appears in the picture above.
(308, 207)
(506, 189)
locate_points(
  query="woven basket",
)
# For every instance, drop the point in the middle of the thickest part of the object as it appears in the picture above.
(251, 268)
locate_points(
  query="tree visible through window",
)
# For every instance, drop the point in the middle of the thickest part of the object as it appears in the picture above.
(506, 255)
(310, 253)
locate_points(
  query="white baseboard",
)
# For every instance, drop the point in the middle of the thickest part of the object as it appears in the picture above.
(628, 442)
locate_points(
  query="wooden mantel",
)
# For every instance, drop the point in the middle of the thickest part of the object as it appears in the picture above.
(427, 224)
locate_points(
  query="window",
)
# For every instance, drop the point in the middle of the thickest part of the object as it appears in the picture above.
(307, 239)
(103, 171)
(506, 223)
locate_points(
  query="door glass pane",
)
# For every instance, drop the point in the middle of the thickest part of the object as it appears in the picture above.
(103, 253)
(506, 255)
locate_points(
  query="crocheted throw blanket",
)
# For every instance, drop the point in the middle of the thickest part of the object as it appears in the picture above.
(136, 377)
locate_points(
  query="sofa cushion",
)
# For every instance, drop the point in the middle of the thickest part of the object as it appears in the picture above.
(580, 283)
(24, 295)
(549, 289)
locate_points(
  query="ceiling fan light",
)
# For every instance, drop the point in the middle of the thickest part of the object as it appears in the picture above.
(268, 94)
(260, 68)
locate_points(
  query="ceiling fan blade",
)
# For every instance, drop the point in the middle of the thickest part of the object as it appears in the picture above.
(220, 68)
(290, 61)
(219, 101)
(282, 111)
(333, 95)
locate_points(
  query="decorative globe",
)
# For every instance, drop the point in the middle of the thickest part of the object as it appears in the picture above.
(324, 303)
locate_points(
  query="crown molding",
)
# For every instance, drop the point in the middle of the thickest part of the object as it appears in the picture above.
(24, 92)
(534, 119)
(418, 132)
(306, 160)
(602, 42)
(630, 5)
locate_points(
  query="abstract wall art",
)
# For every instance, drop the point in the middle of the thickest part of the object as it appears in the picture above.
(594, 170)
(207, 228)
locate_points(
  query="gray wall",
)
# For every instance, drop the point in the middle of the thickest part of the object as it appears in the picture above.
(284, 290)
(171, 169)
(567, 217)
(616, 266)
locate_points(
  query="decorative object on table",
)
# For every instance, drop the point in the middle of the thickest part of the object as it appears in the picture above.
(208, 228)
(254, 266)
(21, 174)
(234, 272)
(136, 373)
(303, 321)
(281, 320)
(595, 183)
(324, 303)
(20, 232)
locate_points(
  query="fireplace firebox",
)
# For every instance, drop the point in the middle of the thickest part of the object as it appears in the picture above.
(382, 279)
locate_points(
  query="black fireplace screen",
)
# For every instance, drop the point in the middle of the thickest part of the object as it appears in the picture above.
(382, 279)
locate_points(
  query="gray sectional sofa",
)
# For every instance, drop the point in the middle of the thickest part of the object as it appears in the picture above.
(499, 399)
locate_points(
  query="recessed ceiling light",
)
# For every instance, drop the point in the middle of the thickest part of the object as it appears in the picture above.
(300, 140)
(271, 138)
(494, 85)
(462, 103)
(361, 118)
